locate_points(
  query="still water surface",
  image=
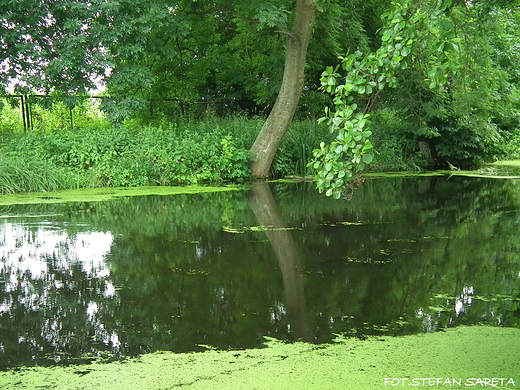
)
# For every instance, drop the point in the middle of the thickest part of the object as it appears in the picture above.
(118, 278)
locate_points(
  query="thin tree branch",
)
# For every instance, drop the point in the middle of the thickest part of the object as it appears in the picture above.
(284, 31)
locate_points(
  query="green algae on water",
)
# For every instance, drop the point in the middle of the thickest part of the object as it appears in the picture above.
(263, 228)
(457, 358)
(482, 173)
(403, 174)
(509, 163)
(105, 193)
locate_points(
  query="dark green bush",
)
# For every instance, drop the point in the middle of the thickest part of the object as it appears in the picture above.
(394, 143)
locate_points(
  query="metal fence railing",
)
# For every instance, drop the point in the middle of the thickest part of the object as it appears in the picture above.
(30, 108)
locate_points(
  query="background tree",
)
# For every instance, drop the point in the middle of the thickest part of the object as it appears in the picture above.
(473, 119)
(184, 50)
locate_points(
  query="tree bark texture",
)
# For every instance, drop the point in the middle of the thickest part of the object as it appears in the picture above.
(281, 116)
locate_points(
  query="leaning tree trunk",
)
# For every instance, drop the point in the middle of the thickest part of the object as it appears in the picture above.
(281, 116)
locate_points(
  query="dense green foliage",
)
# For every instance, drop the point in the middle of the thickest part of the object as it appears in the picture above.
(473, 118)
(183, 50)
(148, 156)
(452, 67)
(432, 48)
(213, 151)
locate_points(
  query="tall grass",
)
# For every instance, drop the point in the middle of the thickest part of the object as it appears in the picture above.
(19, 174)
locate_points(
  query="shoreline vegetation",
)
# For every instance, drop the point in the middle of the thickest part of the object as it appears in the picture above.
(106, 193)
(477, 356)
(213, 152)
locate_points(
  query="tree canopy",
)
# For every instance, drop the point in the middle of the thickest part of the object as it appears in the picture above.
(185, 49)
(451, 65)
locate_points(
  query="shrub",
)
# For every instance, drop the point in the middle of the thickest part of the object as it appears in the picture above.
(195, 154)
(395, 150)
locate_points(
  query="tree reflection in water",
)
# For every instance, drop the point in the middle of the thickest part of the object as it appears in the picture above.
(268, 215)
(46, 272)
(82, 281)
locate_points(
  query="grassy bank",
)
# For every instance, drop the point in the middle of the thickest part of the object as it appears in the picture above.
(213, 151)
(455, 359)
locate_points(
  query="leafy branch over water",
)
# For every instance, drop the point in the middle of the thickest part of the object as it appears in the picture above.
(407, 30)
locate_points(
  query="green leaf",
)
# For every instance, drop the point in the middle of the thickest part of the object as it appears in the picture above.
(341, 135)
(368, 158)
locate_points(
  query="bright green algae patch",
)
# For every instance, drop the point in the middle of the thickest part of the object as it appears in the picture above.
(452, 359)
(509, 163)
(403, 174)
(101, 194)
(478, 174)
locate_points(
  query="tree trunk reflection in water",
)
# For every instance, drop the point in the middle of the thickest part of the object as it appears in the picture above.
(267, 213)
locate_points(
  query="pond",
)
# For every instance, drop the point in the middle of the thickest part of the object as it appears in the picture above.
(84, 281)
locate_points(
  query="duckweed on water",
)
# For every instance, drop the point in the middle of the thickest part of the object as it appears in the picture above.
(476, 357)
(510, 163)
(106, 193)
(265, 228)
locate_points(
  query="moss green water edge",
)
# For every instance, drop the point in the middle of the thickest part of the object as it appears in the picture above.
(482, 173)
(475, 357)
(510, 163)
(107, 193)
(101, 194)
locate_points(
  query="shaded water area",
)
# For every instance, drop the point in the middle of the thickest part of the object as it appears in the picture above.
(105, 280)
